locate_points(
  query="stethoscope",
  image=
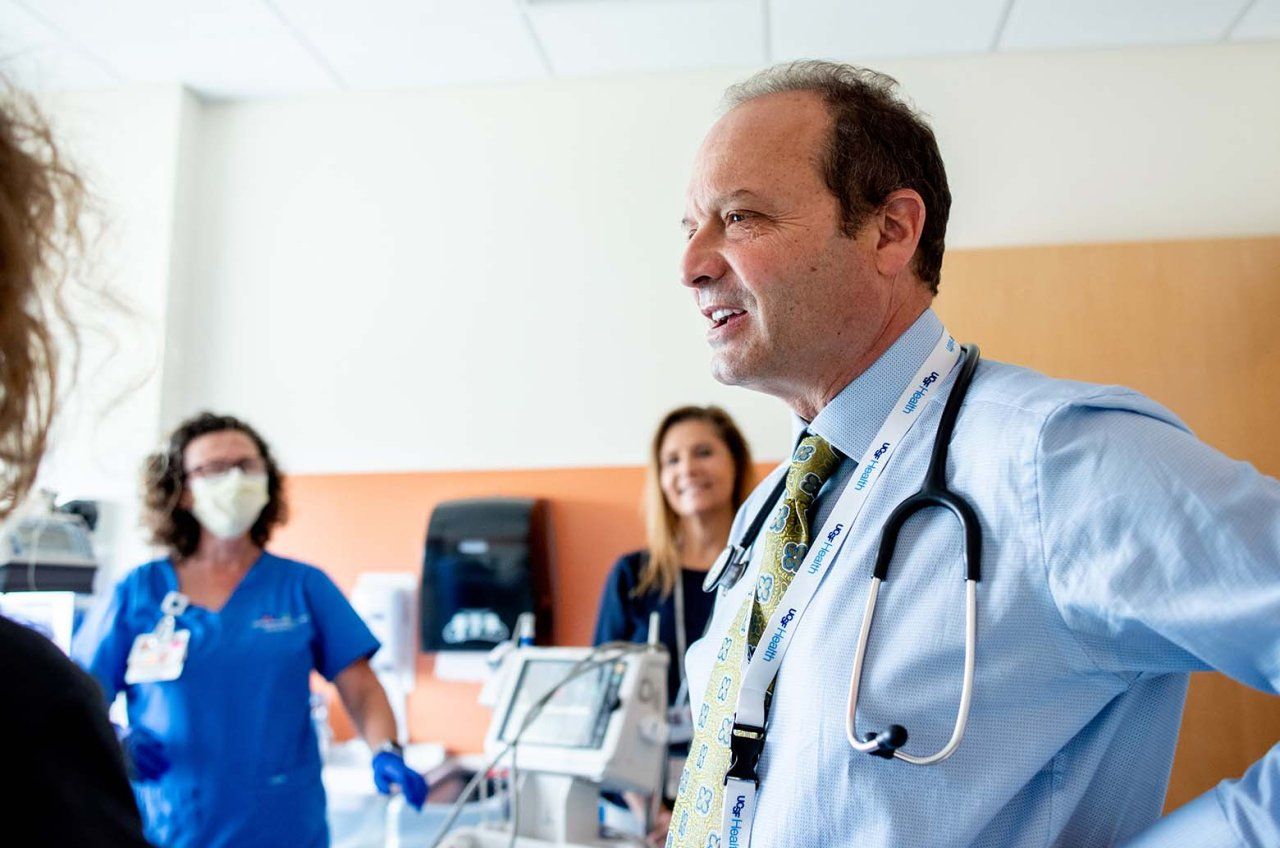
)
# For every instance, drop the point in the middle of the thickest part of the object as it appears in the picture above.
(732, 564)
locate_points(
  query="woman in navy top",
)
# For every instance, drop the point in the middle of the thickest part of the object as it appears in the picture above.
(700, 472)
(220, 736)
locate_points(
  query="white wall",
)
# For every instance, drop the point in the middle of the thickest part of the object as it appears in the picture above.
(126, 145)
(485, 277)
(473, 278)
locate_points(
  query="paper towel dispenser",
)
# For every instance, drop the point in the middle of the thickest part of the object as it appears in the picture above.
(485, 562)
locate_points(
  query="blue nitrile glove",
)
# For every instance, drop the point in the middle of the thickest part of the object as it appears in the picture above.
(143, 752)
(390, 770)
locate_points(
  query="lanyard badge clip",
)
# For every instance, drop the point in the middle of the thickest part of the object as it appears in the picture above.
(746, 744)
(173, 605)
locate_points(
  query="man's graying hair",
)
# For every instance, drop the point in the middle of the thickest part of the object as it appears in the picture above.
(878, 145)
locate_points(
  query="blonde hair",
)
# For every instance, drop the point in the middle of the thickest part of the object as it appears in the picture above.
(40, 204)
(661, 567)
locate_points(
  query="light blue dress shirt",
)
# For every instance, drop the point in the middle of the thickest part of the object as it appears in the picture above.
(1119, 554)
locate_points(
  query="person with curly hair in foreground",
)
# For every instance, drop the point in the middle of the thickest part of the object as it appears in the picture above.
(67, 783)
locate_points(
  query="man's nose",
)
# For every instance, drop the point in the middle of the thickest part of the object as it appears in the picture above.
(702, 261)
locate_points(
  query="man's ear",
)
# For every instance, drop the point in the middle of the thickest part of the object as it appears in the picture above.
(901, 223)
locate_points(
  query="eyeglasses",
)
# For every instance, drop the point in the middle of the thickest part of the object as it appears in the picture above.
(248, 465)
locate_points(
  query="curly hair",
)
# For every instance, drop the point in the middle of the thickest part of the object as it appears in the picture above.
(164, 479)
(41, 199)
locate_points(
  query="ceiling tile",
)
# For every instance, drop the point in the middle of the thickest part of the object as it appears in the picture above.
(1261, 22)
(616, 36)
(56, 68)
(20, 31)
(249, 65)
(839, 29)
(394, 43)
(220, 48)
(1083, 24)
(145, 21)
(251, 48)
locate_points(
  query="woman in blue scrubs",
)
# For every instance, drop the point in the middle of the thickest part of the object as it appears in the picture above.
(220, 735)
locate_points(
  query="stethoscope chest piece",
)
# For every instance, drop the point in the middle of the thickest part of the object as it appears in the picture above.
(727, 570)
(732, 563)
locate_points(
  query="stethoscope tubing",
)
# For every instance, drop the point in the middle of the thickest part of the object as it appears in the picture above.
(933, 493)
(732, 563)
(874, 743)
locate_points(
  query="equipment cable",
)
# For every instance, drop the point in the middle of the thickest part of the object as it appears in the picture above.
(596, 659)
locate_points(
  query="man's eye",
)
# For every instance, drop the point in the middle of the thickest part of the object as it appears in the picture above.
(735, 217)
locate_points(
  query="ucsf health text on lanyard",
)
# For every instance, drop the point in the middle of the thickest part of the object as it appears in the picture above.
(749, 722)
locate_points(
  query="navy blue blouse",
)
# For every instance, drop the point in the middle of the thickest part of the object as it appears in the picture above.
(625, 617)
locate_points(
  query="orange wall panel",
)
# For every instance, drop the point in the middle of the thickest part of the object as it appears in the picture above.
(349, 523)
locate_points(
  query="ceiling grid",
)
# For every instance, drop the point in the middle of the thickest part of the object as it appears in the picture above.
(1001, 25)
(306, 44)
(242, 49)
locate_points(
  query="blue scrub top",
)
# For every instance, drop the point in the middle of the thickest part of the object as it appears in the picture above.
(624, 615)
(237, 723)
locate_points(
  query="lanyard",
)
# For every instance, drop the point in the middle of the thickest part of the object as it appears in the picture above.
(748, 734)
(681, 634)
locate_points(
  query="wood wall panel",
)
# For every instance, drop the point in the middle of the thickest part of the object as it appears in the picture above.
(1194, 325)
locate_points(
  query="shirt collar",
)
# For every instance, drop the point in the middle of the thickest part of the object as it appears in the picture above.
(852, 418)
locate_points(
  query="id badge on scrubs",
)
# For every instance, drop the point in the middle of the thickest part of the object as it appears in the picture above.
(160, 655)
(157, 657)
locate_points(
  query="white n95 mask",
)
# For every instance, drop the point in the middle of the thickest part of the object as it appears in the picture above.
(227, 504)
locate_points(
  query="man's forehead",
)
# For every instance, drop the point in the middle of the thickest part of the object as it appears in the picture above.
(784, 121)
(757, 145)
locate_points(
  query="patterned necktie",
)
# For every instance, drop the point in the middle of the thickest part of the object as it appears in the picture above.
(695, 822)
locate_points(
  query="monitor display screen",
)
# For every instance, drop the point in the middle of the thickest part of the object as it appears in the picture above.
(577, 715)
(49, 613)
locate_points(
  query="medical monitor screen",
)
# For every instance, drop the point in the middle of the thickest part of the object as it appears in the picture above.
(576, 716)
(51, 614)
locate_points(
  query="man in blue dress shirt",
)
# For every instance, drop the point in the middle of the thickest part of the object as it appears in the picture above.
(1119, 552)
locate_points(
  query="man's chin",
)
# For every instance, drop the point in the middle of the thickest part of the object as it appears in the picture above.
(729, 371)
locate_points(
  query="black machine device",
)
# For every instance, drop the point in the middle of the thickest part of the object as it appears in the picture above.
(49, 549)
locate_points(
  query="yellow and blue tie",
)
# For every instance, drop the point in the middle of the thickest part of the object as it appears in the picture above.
(695, 822)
